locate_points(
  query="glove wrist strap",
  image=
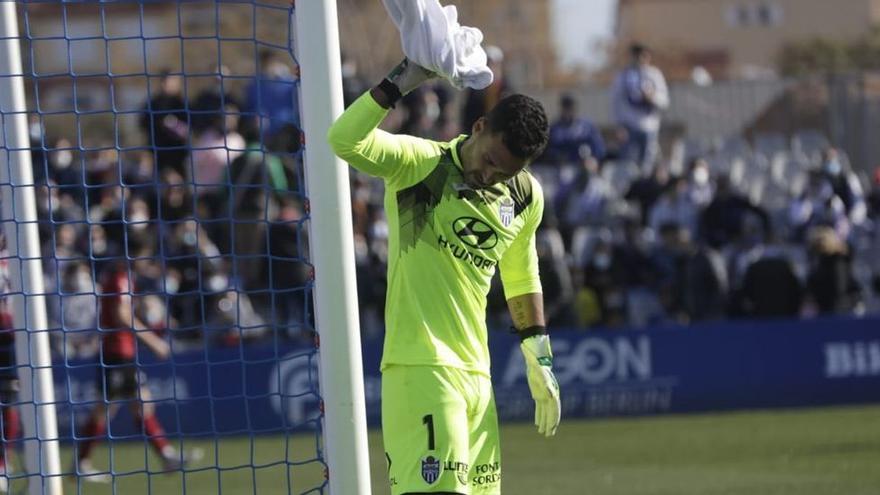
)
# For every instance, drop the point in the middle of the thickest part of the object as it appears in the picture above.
(391, 91)
(527, 332)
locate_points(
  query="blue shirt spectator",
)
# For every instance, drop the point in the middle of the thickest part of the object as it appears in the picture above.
(273, 94)
(638, 96)
(573, 138)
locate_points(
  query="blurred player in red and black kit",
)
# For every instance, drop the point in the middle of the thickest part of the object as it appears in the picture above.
(119, 380)
(8, 373)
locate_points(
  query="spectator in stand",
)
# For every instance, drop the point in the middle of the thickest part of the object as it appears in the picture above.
(638, 96)
(353, 84)
(706, 284)
(845, 184)
(647, 190)
(175, 198)
(721, 223)
(196, 276)
(214, 148)
(555, 275)
(256, 178)
(874, 199)
(692, 279)
(615, 145)
(140, 174)
(700, 187)
(130, 225)
(818, 205)
(64, 167)
(478, 102)
(422, 111)
(273, 94)
(676, 207)
(770, 289)
(78, 310)
(38, 144)
(58, 253)
(287, 271)
(669, 260)
(763, 278)
(605, 277)
(104, 170)
(632, 246)
(830, 284)
(165, 123)
(54, 208)
(212, 104)
(446, 123)
(573, 138)
(584, 200)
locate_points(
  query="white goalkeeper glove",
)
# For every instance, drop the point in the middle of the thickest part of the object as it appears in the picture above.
(542, 383)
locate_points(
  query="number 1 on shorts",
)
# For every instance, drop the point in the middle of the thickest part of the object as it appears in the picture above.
(429, 420)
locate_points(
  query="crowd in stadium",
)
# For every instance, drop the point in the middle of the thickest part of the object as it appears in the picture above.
(170, 208)
(631, 238)
(211, 210)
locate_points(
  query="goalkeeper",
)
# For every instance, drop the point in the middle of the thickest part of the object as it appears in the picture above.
(456, 212)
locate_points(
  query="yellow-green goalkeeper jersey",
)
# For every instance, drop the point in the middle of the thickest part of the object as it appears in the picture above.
(445, 240)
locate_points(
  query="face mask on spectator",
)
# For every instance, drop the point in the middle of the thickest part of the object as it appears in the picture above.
(63, 159)
(701, 176)
(138, 220)
(35, 130)
(154, 315)
(602, 261)
(280, 71)
(217, 283)
(171, 285)
(833, 167)
(83, 282)
(189, 238)
(99, 246)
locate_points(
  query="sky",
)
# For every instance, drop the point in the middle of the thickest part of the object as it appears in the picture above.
(578, 26)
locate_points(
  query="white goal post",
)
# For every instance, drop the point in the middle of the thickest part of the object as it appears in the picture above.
(332, 251)
(33, 355)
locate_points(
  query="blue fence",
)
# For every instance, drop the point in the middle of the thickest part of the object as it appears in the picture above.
(709, 367)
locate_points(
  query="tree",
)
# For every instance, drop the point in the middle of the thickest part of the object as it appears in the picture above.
(822, 55)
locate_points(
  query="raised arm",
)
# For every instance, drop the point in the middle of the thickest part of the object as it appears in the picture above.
(355, 136)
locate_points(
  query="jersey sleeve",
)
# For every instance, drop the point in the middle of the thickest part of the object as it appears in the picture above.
(399, 159)
(519, 264)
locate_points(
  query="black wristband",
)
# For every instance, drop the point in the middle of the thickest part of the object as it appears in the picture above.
(529, 331)
(391, 91)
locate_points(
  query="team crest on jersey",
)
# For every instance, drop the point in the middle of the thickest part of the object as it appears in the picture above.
(430, 469)
(505, 211)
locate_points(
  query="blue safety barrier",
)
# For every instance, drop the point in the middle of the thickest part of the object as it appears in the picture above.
(265, 389)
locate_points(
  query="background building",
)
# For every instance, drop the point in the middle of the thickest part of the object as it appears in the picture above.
(736, 38)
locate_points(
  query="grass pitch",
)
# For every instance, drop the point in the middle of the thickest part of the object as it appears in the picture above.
(800, 452)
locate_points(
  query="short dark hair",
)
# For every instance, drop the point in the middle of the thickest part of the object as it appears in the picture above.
(522, 123)
(568, 101)
(266, 56)
(638, 49)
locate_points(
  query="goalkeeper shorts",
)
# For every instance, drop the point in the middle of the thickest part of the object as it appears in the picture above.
(440, 430)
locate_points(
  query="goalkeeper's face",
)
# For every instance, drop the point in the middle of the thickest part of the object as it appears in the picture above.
(486, 160)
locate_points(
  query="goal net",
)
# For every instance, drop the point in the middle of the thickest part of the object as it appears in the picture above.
(167, 168)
